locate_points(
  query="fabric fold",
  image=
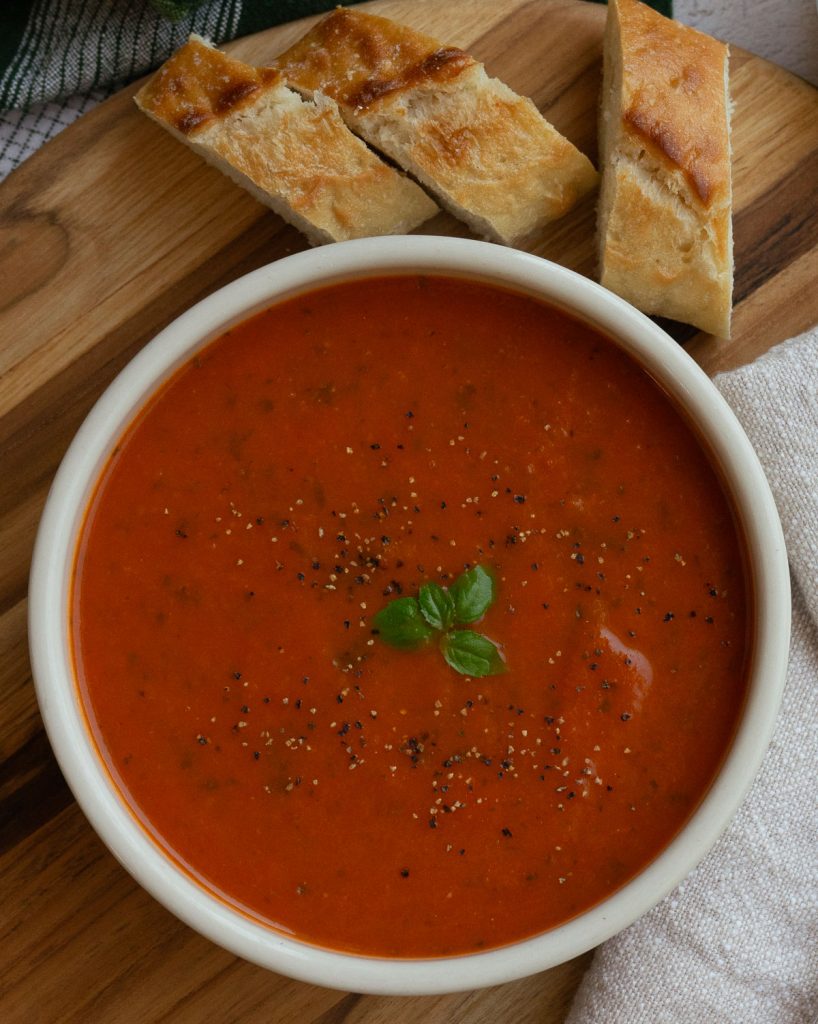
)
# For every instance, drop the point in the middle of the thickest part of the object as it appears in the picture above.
(737, 941)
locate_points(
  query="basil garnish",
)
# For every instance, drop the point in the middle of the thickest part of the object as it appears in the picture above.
(472, 654)
(401, 624)
(473, 594)
(409, 622)
(437, 605)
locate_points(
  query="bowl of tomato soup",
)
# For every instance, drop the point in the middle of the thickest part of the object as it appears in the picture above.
(410, 615)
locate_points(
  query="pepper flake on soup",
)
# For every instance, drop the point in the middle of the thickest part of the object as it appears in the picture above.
(311, 543)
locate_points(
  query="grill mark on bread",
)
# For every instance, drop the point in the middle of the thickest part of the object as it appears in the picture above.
(484, 152)
(234, 94)
(221, 102)
(675, 96)
(664, 214)
(694, 163)
(296, 156)
(401, 59)
(442, 65)
(190, 121)
(188, 94)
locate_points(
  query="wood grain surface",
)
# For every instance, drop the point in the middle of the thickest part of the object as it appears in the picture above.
(108, 233)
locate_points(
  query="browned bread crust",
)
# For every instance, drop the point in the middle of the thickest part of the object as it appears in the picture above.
(297, 157)
(359, 59)
(486, 153)
(665, 226)
(201, 86)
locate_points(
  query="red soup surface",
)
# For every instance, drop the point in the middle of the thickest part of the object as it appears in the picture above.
(341, 449)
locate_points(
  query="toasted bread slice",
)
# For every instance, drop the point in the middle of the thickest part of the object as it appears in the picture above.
(297, 157)
(665, 235)
(484, 152)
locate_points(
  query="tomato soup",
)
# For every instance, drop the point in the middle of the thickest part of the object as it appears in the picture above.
(343, 449)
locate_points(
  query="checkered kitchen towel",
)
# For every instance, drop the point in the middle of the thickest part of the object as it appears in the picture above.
(58, 58)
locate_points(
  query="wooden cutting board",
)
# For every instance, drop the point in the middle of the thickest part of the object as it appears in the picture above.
(107, 234)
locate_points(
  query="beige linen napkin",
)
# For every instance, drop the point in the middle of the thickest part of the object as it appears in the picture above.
(737, 941)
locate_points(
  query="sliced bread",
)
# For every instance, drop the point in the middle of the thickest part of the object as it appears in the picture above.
(484, 152)
(296, 156)
(665, 235)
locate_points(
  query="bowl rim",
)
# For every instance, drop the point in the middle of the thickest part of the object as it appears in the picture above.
(52, 567)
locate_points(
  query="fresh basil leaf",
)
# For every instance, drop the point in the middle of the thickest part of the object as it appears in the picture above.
(473, 594)
(400, 624)
(471, 654)
(437, 605)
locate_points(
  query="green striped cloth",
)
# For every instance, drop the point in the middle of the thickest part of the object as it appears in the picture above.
(58, 58)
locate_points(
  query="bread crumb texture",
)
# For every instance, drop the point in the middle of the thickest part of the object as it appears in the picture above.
(200, 85)
(665, 205)
(296, 156)
(486, 153)
(674, 96)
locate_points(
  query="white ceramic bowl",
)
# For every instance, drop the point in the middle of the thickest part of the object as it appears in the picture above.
(62, 519)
